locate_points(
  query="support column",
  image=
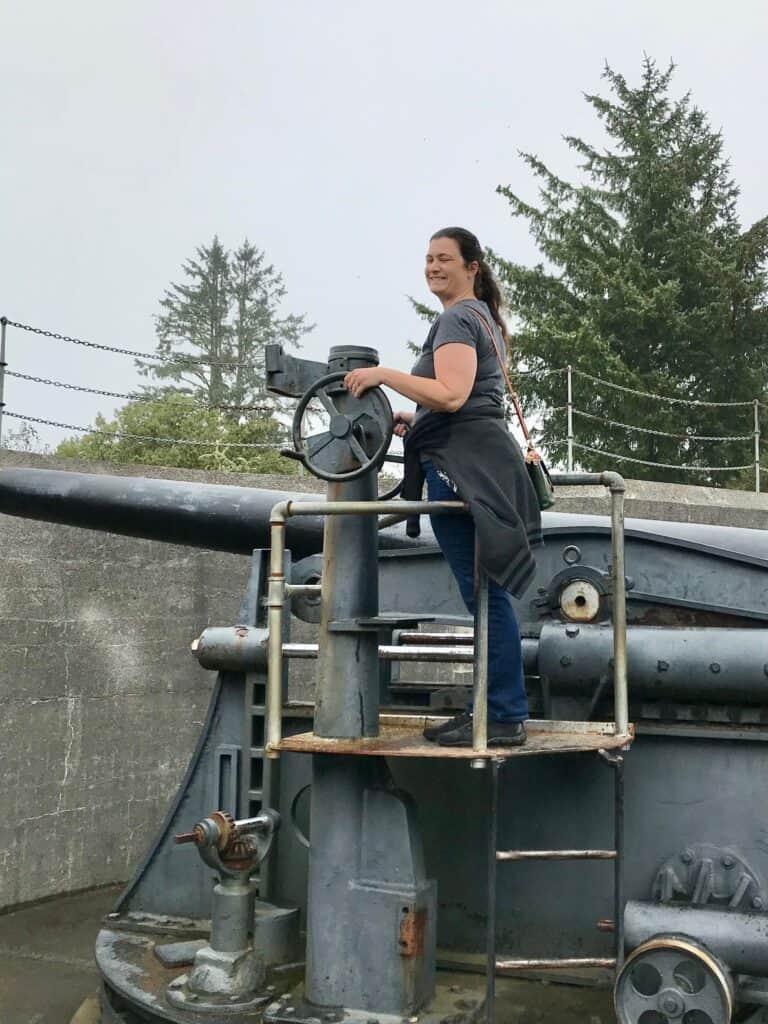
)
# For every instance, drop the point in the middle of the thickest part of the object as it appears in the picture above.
(347, 694)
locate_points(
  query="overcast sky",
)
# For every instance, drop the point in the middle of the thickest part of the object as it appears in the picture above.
(335, 135)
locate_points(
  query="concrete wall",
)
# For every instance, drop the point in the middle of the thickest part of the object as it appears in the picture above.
(101, 700)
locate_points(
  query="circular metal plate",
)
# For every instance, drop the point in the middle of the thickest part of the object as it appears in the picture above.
(673, 980)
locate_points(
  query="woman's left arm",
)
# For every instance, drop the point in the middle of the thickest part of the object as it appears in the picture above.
(455, 369)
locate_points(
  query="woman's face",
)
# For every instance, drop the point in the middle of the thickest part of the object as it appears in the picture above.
(447, 275)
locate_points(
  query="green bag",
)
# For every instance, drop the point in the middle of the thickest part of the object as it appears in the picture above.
(541, 480)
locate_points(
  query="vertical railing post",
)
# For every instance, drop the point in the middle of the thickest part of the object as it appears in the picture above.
(275, 603)
(620, 690)
(757, 445)
(480, 667)
(569, 408)
(3, 325)
(492, 863)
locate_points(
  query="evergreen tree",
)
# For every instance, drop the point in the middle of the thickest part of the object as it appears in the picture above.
(649, 282)
(214, 326)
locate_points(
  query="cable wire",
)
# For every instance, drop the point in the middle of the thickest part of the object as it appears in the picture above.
(144, 437)
(660, 465)
(190, 360)
(660, 398)
(662, 433)
(129, 397)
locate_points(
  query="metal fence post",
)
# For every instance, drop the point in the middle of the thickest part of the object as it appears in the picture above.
(757, 445)
(569, 407)
(480, 677)
(3, 325)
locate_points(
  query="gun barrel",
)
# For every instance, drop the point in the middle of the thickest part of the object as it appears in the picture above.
(215, 516)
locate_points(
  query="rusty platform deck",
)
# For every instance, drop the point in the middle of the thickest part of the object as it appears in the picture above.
(401, 736)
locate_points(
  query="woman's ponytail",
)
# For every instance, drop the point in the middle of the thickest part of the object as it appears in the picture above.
(486, 286)
(487, 289)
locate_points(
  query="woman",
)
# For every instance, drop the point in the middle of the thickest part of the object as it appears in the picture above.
(458, 441)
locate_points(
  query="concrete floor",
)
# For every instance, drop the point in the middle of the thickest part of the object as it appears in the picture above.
(47, 972)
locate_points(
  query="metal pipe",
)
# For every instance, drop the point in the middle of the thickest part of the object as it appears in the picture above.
(620, 694)
(449, 639)
(618, 869)
(737, 938)
(569, 407)
(245, 649)
(480, 660)
(3, 325)
(490, 944)
(554, 965)
(356, 508)
(303, 589)
(275, 602)
(506, 855)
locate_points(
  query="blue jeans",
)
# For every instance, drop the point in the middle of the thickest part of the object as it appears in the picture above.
(507, 700)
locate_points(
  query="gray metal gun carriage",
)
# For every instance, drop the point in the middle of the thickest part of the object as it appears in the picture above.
(339, 865)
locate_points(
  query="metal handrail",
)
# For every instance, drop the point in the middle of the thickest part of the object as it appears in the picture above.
(279, 591)
(614, 482)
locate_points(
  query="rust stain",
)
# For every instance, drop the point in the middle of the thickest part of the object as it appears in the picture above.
(413, 925)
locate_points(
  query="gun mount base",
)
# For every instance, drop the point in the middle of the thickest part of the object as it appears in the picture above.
(449, 1003)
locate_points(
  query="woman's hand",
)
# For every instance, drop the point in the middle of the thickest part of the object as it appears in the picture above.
(403, 422)
(357, 382)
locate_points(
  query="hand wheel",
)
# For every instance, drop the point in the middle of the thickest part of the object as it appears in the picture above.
(358, 435)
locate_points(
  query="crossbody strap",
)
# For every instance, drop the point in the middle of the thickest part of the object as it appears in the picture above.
(532, 453)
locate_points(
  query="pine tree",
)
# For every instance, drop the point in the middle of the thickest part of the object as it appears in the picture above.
(214, 326)
(649, 282)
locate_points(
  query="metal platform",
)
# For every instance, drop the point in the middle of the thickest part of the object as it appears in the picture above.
(401, 736)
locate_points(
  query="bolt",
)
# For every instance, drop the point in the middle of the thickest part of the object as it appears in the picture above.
(572, 631)
(565, 661)
(714, 667)
(727, 861)
(662, 666)
(757, 903)
(687, 857)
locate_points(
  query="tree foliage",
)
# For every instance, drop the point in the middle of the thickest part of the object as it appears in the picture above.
(131, 437)
(25, 438)
(647, 281)
(215, 324)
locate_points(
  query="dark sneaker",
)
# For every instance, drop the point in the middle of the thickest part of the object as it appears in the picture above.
(432, 732)
(500, 734)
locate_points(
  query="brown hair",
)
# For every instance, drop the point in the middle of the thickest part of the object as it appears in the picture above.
(486, 285)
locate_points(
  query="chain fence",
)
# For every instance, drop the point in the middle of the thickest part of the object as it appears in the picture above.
(568, 445)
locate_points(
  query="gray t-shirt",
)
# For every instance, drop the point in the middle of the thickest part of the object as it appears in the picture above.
(459, 325)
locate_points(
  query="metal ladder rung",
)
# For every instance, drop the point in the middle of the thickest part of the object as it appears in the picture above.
(560, 963)
(506, 855)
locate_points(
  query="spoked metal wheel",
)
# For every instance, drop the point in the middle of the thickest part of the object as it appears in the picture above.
(673, 980)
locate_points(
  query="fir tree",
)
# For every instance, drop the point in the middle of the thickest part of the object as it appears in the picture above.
(648, 281)
(214, 325)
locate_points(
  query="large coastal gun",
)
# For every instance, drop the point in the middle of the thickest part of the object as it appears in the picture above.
(696, 864)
